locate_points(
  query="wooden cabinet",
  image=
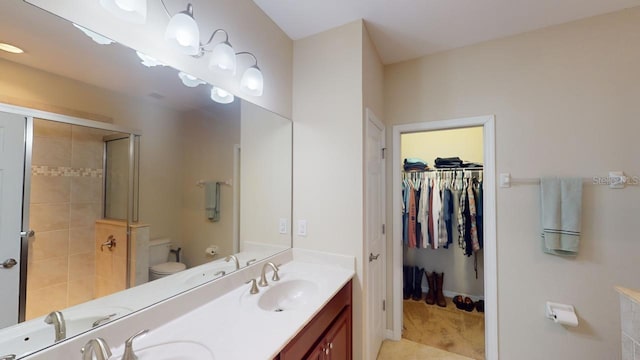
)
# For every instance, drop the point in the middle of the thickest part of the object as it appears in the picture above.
(328, 335)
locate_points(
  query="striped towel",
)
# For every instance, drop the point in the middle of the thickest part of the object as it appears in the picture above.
(561, 215)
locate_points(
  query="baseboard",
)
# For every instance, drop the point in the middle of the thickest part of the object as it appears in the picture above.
(390, 335)
(451, 294)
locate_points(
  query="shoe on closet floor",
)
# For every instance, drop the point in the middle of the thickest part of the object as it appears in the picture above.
(407, 289)
(417, 285)
(458, 300)
(430, 299)
(440, 299)
(469, 305)
(480, 306)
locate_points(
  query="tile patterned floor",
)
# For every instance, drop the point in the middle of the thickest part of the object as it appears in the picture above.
(409, 350)
(448, 329)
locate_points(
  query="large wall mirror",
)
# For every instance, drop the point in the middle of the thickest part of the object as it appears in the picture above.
(137, 167)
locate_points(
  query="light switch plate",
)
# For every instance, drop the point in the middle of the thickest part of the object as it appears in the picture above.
(283, 226)
(302, 227)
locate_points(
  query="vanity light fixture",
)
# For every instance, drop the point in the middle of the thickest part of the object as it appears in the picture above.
(221, 96)
(223, 57)
(11, 48)
(252, 81)
(94, 36)
(189, 80)
(134, 11)
(148, 61)
(183, 33)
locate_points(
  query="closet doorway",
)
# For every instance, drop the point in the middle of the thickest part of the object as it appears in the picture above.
(434, 259)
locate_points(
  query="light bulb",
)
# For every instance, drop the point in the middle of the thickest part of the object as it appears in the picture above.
(252, 81)
(134, 11)
(189, 80)
(223, 58)
(183, 32)
(221, 96)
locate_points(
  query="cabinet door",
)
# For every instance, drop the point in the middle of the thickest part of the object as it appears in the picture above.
(318, 353)
(338, 339)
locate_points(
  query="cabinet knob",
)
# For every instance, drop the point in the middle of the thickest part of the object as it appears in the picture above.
(331, 345)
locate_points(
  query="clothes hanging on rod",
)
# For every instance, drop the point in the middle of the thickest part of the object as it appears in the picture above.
(434, 200)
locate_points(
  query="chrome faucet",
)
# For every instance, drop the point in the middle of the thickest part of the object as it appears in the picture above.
(235, 259)
(97, 347)
(8, 357)
(128, 346)
(263, 276)
(57, 320)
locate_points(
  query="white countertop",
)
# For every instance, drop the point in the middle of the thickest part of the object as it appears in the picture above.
(222, 315)
(234, 327)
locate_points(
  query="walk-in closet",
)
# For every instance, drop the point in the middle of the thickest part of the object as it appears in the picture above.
(442, 237)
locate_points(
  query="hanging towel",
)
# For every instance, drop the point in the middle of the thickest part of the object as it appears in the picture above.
(212, 200)
(561, 215)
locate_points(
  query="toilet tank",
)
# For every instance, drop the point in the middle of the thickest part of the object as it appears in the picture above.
(159, 251)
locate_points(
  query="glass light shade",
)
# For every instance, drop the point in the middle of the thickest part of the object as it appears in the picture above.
(189, 80)
(183, 33)
(134, 11)
(148, 61)
(223, 58)
(11, 48)
(95, 36)
(252, 81)
(221, 96)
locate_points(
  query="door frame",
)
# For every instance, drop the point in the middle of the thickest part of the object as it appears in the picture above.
(371, 117)
(489, 204)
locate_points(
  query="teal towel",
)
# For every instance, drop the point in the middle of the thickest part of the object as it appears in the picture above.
(561, 205)
(212, 200)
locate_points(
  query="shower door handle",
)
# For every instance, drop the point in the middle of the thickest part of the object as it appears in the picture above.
(9, 263)
(27, 234)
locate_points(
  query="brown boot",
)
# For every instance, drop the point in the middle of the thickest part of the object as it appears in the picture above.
(440, 300)
(431, 294)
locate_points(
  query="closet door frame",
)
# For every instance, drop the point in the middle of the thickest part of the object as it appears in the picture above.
(489, 204)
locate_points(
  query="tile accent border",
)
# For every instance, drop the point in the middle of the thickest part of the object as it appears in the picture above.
(43, 170)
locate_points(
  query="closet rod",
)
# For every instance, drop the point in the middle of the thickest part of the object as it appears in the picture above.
(447, 169)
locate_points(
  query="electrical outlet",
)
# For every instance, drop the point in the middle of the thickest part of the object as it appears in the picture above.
(302, 227)
(283, 226)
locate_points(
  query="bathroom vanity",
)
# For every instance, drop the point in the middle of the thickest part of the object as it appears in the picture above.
(305, 314)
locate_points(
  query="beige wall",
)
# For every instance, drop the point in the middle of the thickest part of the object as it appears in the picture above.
(208, 143)
(565, 100)
(463, 143)
(327, 165)
(249, 28)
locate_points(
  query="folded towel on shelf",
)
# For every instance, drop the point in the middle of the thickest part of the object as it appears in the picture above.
(561, 206)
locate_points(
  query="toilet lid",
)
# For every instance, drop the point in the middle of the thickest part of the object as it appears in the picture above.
(168, 267)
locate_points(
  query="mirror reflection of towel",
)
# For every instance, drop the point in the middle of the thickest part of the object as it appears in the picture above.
(561, 207)
(212, 200)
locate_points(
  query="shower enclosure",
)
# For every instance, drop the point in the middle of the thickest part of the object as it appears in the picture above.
(75, 174)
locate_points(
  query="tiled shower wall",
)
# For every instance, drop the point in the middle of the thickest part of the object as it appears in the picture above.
(66, 200)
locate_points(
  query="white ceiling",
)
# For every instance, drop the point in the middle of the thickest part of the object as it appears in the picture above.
(407, 29)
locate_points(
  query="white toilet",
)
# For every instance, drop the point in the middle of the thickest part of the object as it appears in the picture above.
(159, 264)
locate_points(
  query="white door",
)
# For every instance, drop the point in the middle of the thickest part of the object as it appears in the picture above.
(374, 262)
(12, 140)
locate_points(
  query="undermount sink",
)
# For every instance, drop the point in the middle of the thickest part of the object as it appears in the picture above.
(175, 350)
(288, 295)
